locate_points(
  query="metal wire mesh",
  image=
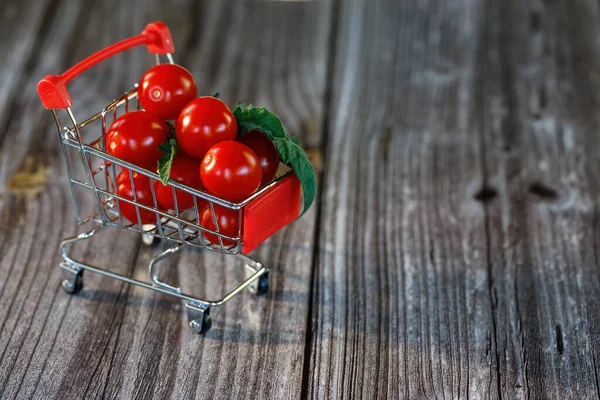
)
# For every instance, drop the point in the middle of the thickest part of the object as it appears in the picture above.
(93, 171)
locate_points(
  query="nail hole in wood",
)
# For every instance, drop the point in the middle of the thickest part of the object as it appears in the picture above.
(542, 96)
(535, 21)
(547, 49)
(384, 142)
(560, 346)
(541, 103)
(486, 194)
(543, 192)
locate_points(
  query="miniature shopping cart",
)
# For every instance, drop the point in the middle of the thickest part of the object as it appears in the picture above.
(92, 171)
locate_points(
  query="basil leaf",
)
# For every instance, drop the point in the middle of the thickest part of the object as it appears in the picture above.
(296, 140)
(166, 160)
(294, 156)
(237, 113)
(290, 149)
(166, 147)
(251, 118)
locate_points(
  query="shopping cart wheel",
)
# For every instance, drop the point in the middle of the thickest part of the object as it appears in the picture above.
(72, 282)
(198, 317)
(150, 240)
(261, 285)
(201, 326)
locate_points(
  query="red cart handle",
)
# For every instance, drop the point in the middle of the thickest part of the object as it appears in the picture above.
(53, 88)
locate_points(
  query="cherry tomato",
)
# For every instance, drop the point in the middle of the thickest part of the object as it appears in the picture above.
(228, 224)
(165, 89)
(135, 136)
(204, 122)
(183, 170)
(231, 170)
(266, 152)
(143, 193)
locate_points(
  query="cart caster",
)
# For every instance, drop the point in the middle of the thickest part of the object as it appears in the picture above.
(150, 240)
(72, 282)
(199, 318)
(261, 285)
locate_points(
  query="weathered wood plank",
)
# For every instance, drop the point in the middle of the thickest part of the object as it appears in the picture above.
(540, 126)
(400, 298)
(419, 291)
(116, 341)
(20, 30)
(457, 253)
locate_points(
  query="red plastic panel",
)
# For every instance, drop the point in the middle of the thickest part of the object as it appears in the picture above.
(271, 211)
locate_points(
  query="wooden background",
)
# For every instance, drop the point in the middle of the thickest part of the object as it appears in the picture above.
(453, 248)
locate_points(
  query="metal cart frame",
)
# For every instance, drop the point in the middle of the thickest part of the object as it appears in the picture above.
(182, 227)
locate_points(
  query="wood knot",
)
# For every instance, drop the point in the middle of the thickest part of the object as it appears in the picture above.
(31, 179)
(486, 194)
(542, 192)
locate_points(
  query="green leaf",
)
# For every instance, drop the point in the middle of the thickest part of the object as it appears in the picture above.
(290, 149)
(296, 140)
(166, 147)
(306, 174)
(286, 149)
(216, 95)
(237, 112)
(166, 160)
(251, 118)
(294, 156)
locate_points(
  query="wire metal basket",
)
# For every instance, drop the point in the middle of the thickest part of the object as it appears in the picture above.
(83, 144)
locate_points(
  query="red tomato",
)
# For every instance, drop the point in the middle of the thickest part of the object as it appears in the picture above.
(135, 136)
(228, 224)
(266, 152)
(231, 170)
(204, 122)
(183, 170)
(143, 193)
(165, 89)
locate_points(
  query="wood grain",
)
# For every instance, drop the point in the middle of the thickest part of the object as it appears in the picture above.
(400, 304)
(457, 231)
(541, 153)
(453, 249)
(113, 340)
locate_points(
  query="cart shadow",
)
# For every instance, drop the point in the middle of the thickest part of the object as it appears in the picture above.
(233, 329)
(138, 300)
(149, 302)
(261, 337)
